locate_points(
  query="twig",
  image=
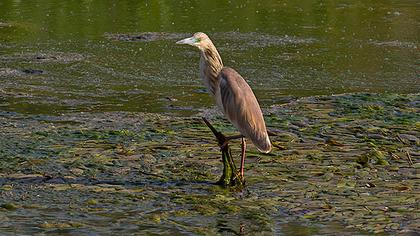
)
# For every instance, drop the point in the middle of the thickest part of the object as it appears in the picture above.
(395, 156)
(410, 161)
(367, 208)
(401, 139)
(278, 146)
(271, 133)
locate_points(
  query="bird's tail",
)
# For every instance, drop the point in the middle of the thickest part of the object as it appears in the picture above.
(263, 144)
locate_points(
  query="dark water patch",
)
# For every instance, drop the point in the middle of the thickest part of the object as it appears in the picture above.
(145, 36)
(33, 71)
(174, 107)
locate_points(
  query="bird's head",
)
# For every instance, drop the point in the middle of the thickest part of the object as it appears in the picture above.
(199, 39)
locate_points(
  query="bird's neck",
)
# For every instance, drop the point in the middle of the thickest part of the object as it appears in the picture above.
(210, 66)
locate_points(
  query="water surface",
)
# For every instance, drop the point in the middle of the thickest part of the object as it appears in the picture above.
(114, 168)
(60, 56)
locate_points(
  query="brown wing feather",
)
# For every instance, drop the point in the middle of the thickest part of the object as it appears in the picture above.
(241, 107)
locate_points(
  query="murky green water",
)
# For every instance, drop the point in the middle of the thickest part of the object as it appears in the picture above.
(83, 150)
(283, 48)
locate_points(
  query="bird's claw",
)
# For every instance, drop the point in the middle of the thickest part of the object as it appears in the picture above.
(239, 176)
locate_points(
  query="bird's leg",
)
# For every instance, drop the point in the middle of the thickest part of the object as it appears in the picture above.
(230, 177)
(227, 139)
(243, 146)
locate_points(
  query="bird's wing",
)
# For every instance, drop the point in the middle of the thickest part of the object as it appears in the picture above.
(241, 107)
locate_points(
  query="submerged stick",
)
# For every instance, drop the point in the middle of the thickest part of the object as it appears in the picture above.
(410, 161)
(230, 176)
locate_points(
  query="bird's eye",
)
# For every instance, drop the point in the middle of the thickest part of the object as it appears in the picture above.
(197, 40)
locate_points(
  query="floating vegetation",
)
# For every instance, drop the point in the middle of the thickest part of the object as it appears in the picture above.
(145, 36)
(395, 43)
(246, 40)
(346, 164)
(5, 25)
(9, 72)
(44, 57)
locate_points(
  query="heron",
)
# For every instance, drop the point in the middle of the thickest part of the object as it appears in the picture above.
(232, 95)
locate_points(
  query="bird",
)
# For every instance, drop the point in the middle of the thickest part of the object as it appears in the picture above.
(232, 95)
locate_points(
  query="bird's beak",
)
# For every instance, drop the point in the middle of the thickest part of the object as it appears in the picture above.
(189, 41)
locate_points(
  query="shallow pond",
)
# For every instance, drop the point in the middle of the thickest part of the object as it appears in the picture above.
(344, 164)
(62, 56)
(100, 127)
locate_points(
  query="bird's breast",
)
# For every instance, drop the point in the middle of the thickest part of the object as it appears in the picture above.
(218, 100)
(209, 74)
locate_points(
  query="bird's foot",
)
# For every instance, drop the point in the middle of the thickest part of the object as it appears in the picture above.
(239, 176)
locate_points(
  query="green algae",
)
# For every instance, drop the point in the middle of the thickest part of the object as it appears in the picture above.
(339, 167)
(9, 206)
